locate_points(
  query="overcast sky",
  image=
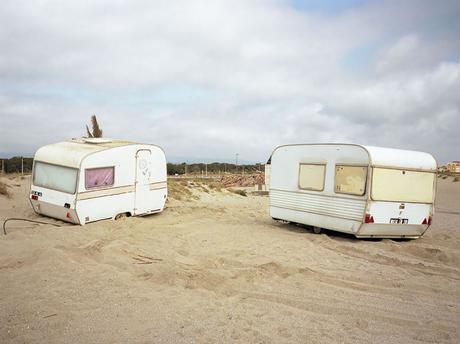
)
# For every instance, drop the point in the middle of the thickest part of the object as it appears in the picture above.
(208, 79)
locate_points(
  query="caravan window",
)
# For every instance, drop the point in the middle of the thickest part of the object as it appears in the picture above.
(59, 178)
(311, 176)
(402, 185)
(99, 177)
(350, 179)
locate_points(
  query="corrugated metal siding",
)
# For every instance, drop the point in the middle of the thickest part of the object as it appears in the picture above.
(346, 208)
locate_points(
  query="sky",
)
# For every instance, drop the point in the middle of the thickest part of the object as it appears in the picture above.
(209, 79)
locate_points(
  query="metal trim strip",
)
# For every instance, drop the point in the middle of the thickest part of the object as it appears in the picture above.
(105, 192)
(158, 185)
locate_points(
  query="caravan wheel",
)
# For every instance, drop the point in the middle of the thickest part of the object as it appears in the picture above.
(121, 215)
(317, 230)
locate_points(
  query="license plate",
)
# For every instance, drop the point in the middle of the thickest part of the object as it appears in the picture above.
(401, 221)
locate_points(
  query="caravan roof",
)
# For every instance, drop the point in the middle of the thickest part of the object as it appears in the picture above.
(391, 157)
(71, 153)
(387, 157)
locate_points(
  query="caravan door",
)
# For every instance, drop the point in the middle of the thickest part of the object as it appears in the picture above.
(143, 173)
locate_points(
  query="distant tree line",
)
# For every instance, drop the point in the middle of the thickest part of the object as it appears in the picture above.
(12, 165)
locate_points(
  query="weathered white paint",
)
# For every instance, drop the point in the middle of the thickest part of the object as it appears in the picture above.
(267, 176)
(401, 158)
(341, 211)
(144, 169)
(124, 196)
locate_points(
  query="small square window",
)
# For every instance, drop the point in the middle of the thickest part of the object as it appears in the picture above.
(311, 176)
(350, 179)
(99, 177)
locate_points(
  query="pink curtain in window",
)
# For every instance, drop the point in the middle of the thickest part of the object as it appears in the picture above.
(97, 177)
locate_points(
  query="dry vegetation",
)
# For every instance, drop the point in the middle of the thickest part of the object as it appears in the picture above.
(96, 130)
(189, 188)
(178, 189)
(242, 180)
(4, 189)
(239, 192)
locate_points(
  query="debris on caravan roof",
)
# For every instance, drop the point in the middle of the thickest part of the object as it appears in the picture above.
(96, 140)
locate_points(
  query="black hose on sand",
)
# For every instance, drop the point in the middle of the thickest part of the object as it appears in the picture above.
(27, 220)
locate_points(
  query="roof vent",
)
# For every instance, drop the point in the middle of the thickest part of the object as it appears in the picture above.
(96, 140)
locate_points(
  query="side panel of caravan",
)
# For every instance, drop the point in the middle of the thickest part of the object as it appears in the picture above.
(113, 182)
(106, 184)
(303, 186)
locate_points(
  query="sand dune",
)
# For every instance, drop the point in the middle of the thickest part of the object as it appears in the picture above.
(218, 269)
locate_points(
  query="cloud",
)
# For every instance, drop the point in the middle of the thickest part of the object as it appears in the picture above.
(210, 79)
(399, 55)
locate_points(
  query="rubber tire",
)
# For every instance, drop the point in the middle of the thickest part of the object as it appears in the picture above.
(120, 216)
(317, 230)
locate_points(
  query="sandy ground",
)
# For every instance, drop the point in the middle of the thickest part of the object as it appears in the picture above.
(219, 270)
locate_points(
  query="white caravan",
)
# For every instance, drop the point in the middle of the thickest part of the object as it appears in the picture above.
(85, 180)
(361, 190)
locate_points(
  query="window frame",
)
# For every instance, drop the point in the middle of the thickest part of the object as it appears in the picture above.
(100, 187)
(312, 164)
(54, 189)
(365, 180)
